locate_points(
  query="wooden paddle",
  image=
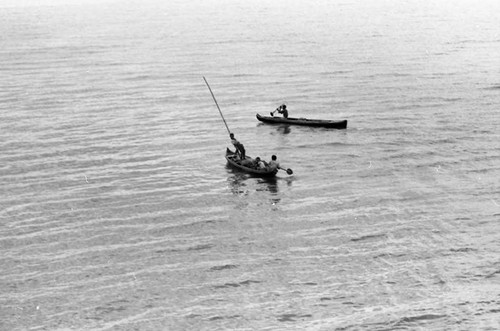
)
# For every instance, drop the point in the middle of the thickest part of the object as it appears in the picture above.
(272, 113)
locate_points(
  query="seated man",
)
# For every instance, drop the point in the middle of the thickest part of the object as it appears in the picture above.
(274, 164)
(259, 164)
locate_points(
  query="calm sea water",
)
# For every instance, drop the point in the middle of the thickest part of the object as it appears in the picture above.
(118, 212)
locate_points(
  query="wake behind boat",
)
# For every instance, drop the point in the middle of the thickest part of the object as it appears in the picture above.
(303, 121)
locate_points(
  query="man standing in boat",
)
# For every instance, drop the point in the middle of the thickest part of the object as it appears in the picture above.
(281, 110)
(240, 149)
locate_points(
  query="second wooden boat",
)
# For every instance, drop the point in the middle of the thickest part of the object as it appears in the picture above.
(303, 121)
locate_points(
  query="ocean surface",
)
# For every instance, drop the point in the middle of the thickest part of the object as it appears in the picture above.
(117, 208)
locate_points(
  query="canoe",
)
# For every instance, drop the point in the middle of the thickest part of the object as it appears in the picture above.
(303, 121)
(235, 163)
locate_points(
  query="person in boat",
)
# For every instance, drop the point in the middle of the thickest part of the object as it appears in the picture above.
(281, 110)
(274, 164)
(240, 149)
(259, 164)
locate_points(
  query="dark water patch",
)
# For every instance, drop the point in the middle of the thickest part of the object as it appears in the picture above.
(188, 225)
(477, 132)
(215, 318)
(223, 267)
(243, 283)
(242, 75)
(390, 75)
(307, 283)
(248, 282)
(337, 144)
(492, 274)
(389, 255)
(462, 250)
(419, 318)
(472, 41)
(138, 78)
(452, 99)
(369, 237)
(404, 323)
(227, 285)
(347, 303)
(335, 72)
(200, 247)
(440, 281)
(315, 145)
(493, 87)
(111, 307)
(292, 317)
(170, 250)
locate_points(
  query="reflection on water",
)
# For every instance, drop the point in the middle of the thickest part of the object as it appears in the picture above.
(284, 128)
(271, 185)
(268, 184)
(237, 184)
(281, 128)
(244, 184)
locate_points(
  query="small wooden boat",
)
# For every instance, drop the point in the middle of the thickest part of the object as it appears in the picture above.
(303, 121)
(235, 162)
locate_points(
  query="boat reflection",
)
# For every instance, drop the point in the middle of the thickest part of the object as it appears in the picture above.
(281, 128)
(237, 184)
(242, 185)
(270, 185)
(284, 128)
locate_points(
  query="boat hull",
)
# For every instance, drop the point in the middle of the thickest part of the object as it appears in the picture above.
(230, 157)
(303, 121)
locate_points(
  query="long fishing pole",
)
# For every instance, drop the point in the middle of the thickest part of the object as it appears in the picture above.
(213, 96)
(288, 171)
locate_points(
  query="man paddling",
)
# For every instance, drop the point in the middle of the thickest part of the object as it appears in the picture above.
(274, 164)
(240, 149)
(281, 110)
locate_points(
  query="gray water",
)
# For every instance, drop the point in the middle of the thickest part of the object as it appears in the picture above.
(117, 209)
